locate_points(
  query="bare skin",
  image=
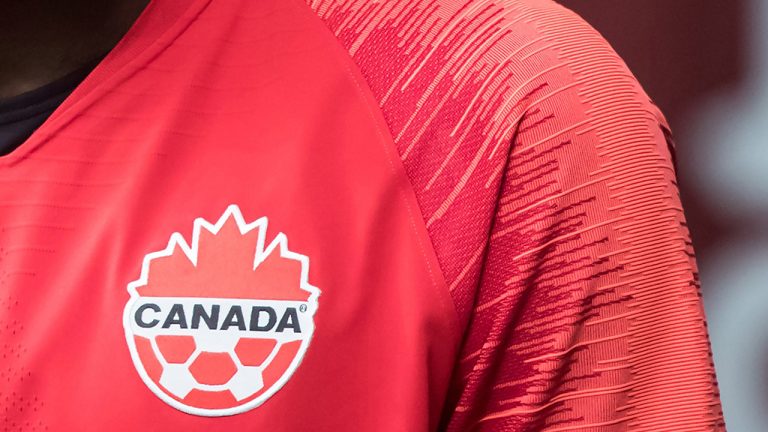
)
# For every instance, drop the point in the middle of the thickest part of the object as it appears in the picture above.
(42, 40)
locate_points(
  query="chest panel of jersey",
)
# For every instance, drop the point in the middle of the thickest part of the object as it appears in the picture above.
(264, 111)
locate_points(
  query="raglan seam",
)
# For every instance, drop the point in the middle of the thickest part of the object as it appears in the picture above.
(437, 275)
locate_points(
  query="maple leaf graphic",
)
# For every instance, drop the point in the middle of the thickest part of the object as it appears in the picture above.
(228, 259)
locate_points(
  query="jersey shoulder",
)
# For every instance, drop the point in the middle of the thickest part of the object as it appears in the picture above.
(545, 180)
(459, 82)
(482, 45)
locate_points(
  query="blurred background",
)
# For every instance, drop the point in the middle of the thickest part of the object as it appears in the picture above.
(705, 63)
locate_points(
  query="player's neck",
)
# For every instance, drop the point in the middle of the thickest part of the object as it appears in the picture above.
(41, 40)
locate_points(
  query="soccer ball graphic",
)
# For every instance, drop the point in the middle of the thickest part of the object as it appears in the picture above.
(233, 365)
(218, 326)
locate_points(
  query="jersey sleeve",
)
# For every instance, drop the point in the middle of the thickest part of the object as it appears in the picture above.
(587, 315)
(545, 179)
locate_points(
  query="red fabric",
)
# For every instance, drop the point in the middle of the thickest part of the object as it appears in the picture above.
(482, 194)
(547, 186)
(246, 103)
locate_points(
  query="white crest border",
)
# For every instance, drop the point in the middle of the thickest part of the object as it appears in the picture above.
(280, 242)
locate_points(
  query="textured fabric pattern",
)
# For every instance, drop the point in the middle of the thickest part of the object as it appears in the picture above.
(546, 181)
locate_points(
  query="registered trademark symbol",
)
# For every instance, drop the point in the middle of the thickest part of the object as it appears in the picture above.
(303, 308)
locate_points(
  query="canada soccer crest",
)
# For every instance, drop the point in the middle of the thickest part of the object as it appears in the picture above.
(216, 326)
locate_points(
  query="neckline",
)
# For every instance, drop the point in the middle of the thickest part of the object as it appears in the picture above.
(45, 97)
(157, 26)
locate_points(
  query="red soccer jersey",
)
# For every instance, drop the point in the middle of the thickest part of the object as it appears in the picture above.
(410, 215)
